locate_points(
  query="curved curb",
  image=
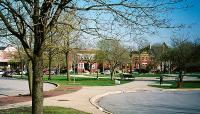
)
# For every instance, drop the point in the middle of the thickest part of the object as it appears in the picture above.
(94, 100)
(196, 89)
(57, 85)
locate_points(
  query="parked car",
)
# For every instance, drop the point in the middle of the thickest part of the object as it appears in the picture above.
(1, 72)
(155, 71)
(107, 72)
(47, 72)
(7, 74)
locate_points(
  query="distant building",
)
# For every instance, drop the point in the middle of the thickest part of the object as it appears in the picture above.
(7, 57)
(83, 61)
(143, 58)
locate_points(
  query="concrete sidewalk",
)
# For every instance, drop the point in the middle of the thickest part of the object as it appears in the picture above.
(86, 99)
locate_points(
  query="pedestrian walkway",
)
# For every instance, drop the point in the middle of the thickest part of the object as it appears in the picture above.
(13, 87)
(86, 98)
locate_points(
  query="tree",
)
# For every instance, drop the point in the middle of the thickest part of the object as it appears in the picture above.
(52, 50)
(40, 16)
(162, 55)
(69, 35)
(39, 20)
(21, 55)
(112, 52)
(181, 55)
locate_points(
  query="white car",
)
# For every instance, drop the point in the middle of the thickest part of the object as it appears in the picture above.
(1, 72)
(107, 72)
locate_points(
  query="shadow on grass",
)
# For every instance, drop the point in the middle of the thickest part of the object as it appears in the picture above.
(173, 85)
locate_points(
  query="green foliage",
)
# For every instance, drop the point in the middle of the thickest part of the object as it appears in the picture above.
(47, 110)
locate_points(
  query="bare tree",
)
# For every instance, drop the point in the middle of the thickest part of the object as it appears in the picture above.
(40, 16)
(68, 31)
(181, 55)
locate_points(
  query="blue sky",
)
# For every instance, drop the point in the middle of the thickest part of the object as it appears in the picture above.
(190, 17)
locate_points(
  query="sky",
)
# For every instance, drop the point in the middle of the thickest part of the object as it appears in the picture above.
(190, 17)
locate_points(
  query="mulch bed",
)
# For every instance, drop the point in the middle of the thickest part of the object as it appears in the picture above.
(23, 98)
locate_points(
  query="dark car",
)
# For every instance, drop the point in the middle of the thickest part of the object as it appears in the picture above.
(7, 74)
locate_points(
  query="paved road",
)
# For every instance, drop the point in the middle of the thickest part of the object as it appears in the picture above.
(86, 99)
(12, 87)
(153, 102)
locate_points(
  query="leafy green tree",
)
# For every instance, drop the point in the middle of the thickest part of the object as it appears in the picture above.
(113, 53)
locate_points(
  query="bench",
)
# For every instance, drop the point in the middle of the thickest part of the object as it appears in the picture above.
(126, 76)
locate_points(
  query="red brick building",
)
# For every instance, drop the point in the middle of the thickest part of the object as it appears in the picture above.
(83, 61)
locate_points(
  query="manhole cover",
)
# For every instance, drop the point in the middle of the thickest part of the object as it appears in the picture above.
(63, 100)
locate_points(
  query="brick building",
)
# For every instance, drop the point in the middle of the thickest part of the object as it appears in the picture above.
(143, 58)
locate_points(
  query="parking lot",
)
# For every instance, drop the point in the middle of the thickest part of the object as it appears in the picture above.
(13, 87)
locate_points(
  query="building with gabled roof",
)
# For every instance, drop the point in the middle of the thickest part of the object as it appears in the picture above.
(7, 54)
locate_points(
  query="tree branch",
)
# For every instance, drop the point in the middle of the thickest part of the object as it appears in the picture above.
(57, 13)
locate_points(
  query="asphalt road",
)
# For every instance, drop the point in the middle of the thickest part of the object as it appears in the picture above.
(12, 87)
(153, 102)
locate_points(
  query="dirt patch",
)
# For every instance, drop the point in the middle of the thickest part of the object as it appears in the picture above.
(23, 98)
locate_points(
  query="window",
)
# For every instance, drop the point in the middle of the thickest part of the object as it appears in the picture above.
(142, 58)
(93, 66)
(81, 65)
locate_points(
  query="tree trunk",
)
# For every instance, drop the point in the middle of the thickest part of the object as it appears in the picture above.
(131, 68)
(67, 64)
(97, 73)
(50, 60)
(180, 82)
(139, 62)
(170, 67)
(131, 63)
(37, 60)
(30, 76)
(22, 69)
(161, 68)
(164, 69)
(37, 95)
(90, 68)
(111, 73)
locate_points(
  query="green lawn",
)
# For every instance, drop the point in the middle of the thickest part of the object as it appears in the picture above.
(173, 84)
(47, 110)
(61, 80)
(147, 75)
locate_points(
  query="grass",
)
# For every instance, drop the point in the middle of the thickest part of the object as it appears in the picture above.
(79, 81)
(173, 85)
(61, 80)
(47, 110)
(147, 75)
